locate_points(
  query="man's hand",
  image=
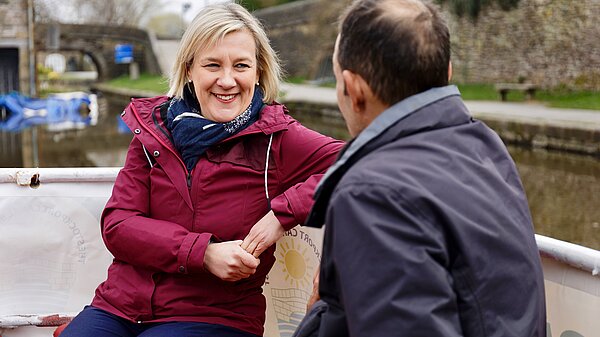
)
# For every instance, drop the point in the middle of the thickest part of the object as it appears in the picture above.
(314, 297)
(263, 234)
(229, 262)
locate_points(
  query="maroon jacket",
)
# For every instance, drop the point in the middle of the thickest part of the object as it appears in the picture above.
(160, 219)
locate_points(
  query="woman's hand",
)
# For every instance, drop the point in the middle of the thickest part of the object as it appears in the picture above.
(228, 261)
(263, 234)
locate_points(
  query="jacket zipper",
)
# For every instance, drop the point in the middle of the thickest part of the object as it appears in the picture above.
(188, 174)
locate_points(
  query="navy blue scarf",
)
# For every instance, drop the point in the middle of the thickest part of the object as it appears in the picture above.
(193, 134)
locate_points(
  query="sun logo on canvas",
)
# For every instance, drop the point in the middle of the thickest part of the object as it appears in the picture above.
(294, 261)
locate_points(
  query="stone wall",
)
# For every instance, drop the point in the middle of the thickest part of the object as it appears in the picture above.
(303, 34)
(13, 19)
(547, 42)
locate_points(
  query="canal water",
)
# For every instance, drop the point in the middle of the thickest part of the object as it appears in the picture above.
(563, 192)
(563, 189)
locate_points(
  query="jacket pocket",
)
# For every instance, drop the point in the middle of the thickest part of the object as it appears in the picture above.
(249, 151)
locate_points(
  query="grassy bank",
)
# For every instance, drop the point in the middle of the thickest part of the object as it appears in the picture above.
(146, 82)
(558, 98)
(572, 100)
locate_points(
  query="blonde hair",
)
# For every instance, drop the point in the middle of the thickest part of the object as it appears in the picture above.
(208, 28)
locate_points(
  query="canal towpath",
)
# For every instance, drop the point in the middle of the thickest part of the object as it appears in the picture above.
(525, 112)
(530, 123)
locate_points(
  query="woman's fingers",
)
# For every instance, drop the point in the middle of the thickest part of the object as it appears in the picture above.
(263, 234)
(250, 242)
(229, 262)
(249, 261)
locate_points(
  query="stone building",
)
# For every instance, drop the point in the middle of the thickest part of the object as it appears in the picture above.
(14, 47)
(15, 61)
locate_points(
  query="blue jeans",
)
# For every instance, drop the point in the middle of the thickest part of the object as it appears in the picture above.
(94, 322)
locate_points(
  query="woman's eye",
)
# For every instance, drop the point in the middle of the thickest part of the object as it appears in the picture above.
(242, 65)
(211, 65)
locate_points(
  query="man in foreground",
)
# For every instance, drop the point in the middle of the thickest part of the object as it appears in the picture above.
(428, 231)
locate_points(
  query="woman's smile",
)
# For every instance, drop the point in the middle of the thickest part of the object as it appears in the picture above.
(225, 98)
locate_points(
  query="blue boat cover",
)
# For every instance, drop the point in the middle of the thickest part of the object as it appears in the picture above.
(18, 112)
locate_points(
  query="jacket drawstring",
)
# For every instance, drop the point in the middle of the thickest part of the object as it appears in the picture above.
(147, 156)
(266, 171)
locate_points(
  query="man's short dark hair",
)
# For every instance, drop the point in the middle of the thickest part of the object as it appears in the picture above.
(400, 47)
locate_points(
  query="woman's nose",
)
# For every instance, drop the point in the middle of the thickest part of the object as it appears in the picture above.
(226, 80)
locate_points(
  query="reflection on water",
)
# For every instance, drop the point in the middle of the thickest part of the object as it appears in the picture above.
(563, 189)
(564, 194)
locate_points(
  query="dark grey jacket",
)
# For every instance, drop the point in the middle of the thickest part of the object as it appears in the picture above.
(428, 232)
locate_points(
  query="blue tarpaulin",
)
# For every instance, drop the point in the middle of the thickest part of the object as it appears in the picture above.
(58, 111)
(121, 126)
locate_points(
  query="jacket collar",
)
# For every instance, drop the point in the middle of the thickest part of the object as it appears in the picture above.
(272, 118)
(389, 117)
(371, 137)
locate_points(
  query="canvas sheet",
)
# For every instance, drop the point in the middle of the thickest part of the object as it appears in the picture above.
(52, 256)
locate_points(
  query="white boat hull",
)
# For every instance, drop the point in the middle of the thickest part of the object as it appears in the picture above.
(52, 257)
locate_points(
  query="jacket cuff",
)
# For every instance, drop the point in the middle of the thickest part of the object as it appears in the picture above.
(285, 212)
(191, 253)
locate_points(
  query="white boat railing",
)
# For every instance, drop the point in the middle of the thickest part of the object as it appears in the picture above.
(32, 176)
(571, 254)
(52, 257)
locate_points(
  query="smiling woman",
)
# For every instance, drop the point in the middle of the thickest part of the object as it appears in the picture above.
(216, 172)
(225, 76)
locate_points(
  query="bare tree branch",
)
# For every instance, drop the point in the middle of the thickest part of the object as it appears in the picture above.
(102, 12)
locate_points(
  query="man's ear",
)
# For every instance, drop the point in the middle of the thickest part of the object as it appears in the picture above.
(354, 86)
(449, 71)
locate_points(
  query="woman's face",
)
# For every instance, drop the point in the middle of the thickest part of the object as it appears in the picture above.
(224, 76)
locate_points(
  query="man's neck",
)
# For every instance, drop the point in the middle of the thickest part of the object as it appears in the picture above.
(373, 108)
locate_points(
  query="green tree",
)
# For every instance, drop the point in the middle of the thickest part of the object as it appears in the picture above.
(473, 8)
(252, 5)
